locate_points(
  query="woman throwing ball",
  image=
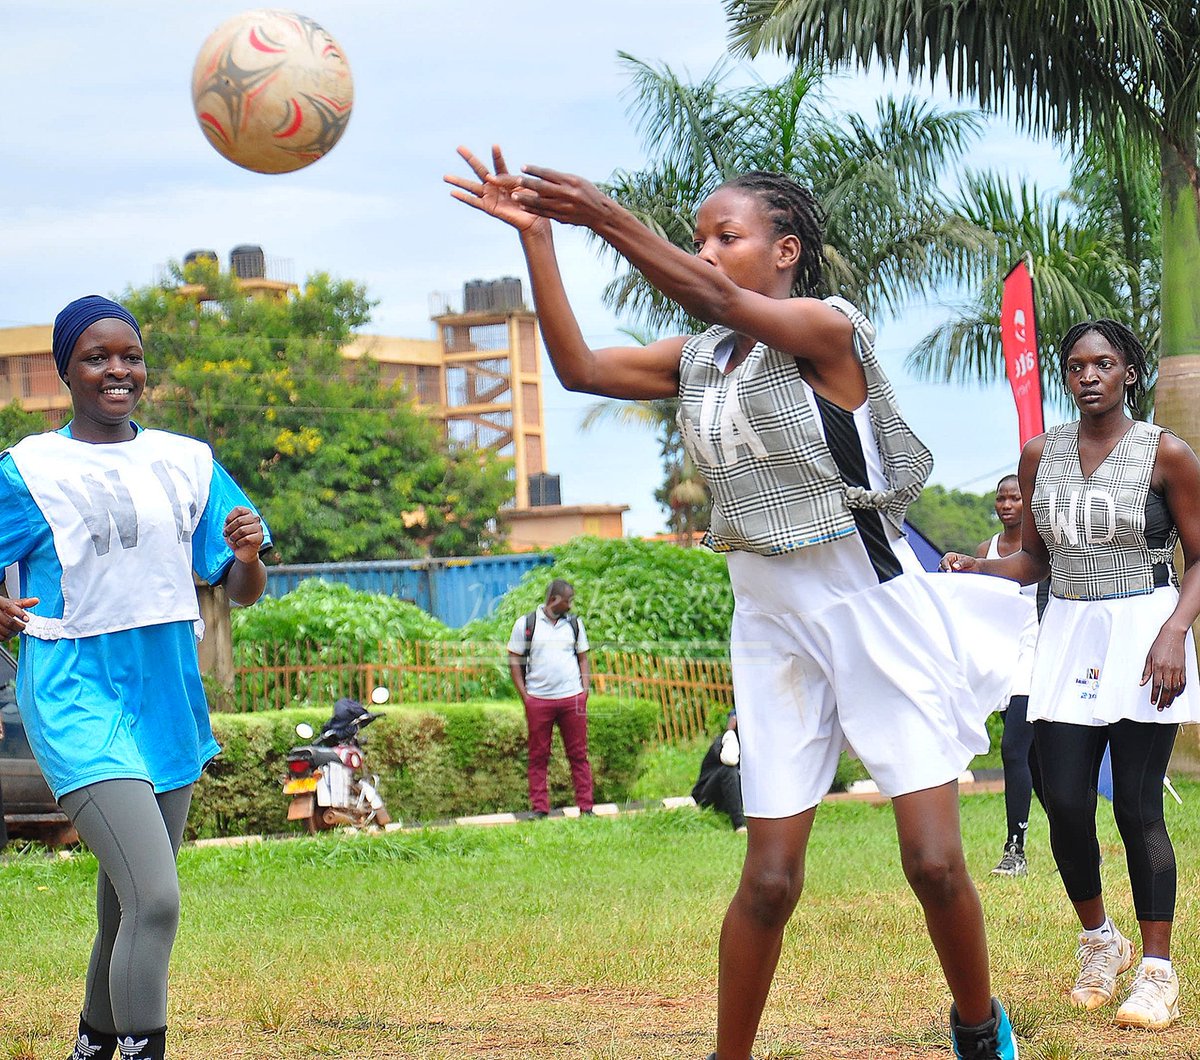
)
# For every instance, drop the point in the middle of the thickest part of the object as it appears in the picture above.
(1115, 664)
(107, 522)
(811, 466)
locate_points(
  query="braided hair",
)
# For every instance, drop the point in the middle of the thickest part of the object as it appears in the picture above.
(793, 211)
(1125, 342)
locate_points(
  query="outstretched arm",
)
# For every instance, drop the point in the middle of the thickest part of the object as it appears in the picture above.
(806, 328)
(1032, 563)
(640, 372)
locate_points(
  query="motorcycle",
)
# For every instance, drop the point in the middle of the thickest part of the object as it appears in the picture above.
(327, 780)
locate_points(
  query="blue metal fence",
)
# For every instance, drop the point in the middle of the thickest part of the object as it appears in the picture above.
(455, 590)
(458, 590)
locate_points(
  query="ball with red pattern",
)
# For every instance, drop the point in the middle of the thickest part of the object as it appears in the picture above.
(272, 91)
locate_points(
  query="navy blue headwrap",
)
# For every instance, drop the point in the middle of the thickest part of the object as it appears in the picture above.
(80, 315)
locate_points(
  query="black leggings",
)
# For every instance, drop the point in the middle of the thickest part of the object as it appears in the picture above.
(1070, 757)
(1021, 779)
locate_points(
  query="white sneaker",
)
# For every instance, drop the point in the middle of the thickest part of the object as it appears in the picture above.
(1012, 863)
(1153, 1001)
(1100, 962)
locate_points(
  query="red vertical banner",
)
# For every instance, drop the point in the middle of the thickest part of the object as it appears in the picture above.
(1018, 338)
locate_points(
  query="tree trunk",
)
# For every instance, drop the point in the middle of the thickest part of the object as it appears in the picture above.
(1177, 394)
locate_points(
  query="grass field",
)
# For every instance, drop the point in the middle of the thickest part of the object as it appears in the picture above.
(592, 939)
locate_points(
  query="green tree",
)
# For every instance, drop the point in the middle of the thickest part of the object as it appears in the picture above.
(891, 233)
(1089, 70)
(342, 467)
(16, 423)
(953, 520)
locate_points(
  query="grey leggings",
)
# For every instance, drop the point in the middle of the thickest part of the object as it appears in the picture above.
(135, 835)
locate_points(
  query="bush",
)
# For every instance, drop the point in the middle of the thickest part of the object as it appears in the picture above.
(331, 615)
(629, 593)
(434, 761)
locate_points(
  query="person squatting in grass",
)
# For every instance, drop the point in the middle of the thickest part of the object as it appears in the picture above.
(107, 521)
(1115, 664)
(837, 631)
(1021, 777)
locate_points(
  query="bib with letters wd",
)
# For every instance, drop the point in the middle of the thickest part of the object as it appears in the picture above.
(1095, 527)
(122, 515)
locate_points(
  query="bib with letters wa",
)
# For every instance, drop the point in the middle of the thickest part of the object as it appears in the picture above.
(122, 515)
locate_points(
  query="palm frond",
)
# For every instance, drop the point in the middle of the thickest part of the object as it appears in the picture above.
(1064, 68)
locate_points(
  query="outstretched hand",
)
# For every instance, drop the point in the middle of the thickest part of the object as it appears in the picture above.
(493, 192)
(522, 199)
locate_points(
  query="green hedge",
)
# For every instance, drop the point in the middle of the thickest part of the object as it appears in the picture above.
(436, 760)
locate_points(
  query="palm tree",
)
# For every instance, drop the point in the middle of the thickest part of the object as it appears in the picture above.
(1084, 70)
(890, 233)
(683, 493)
(1094, 251)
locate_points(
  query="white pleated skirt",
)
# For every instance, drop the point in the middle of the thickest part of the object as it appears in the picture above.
(1090, 658)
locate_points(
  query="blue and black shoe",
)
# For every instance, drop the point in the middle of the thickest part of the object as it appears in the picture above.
(993, 1040)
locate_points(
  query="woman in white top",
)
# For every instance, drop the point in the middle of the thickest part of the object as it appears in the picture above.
(1021, 778)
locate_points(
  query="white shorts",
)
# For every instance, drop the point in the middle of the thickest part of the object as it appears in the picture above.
(825, 658)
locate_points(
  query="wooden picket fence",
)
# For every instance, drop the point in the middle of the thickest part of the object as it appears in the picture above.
(686, 686)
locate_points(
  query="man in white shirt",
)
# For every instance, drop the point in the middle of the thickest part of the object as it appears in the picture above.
(548, 659)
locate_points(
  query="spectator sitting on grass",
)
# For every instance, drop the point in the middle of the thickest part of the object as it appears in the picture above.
(719, 784)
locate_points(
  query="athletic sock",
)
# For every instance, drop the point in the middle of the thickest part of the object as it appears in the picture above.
(1160, 964)
(91, 1044)
(1105, 932)
(145, 1045)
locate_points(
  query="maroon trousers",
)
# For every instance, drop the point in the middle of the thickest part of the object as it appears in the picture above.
(571, 715)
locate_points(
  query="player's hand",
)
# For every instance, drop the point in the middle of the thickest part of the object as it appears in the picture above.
(1165, 670)
(492, 193)
(244, 533)
(957, 562)
(13, 615)
(562, 197)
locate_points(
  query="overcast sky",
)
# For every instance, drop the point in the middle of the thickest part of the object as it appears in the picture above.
(105, 177)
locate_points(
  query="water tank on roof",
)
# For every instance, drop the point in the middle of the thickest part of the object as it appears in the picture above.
(247, 262)
(193, 256)
(475, 296)
(506, 293)
(544, 490)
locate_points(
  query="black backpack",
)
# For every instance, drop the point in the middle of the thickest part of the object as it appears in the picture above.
(531, 625)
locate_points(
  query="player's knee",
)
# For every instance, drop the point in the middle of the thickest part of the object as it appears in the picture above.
(770, 894)
(935, 875)
(158, 908)
(1069, 806)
